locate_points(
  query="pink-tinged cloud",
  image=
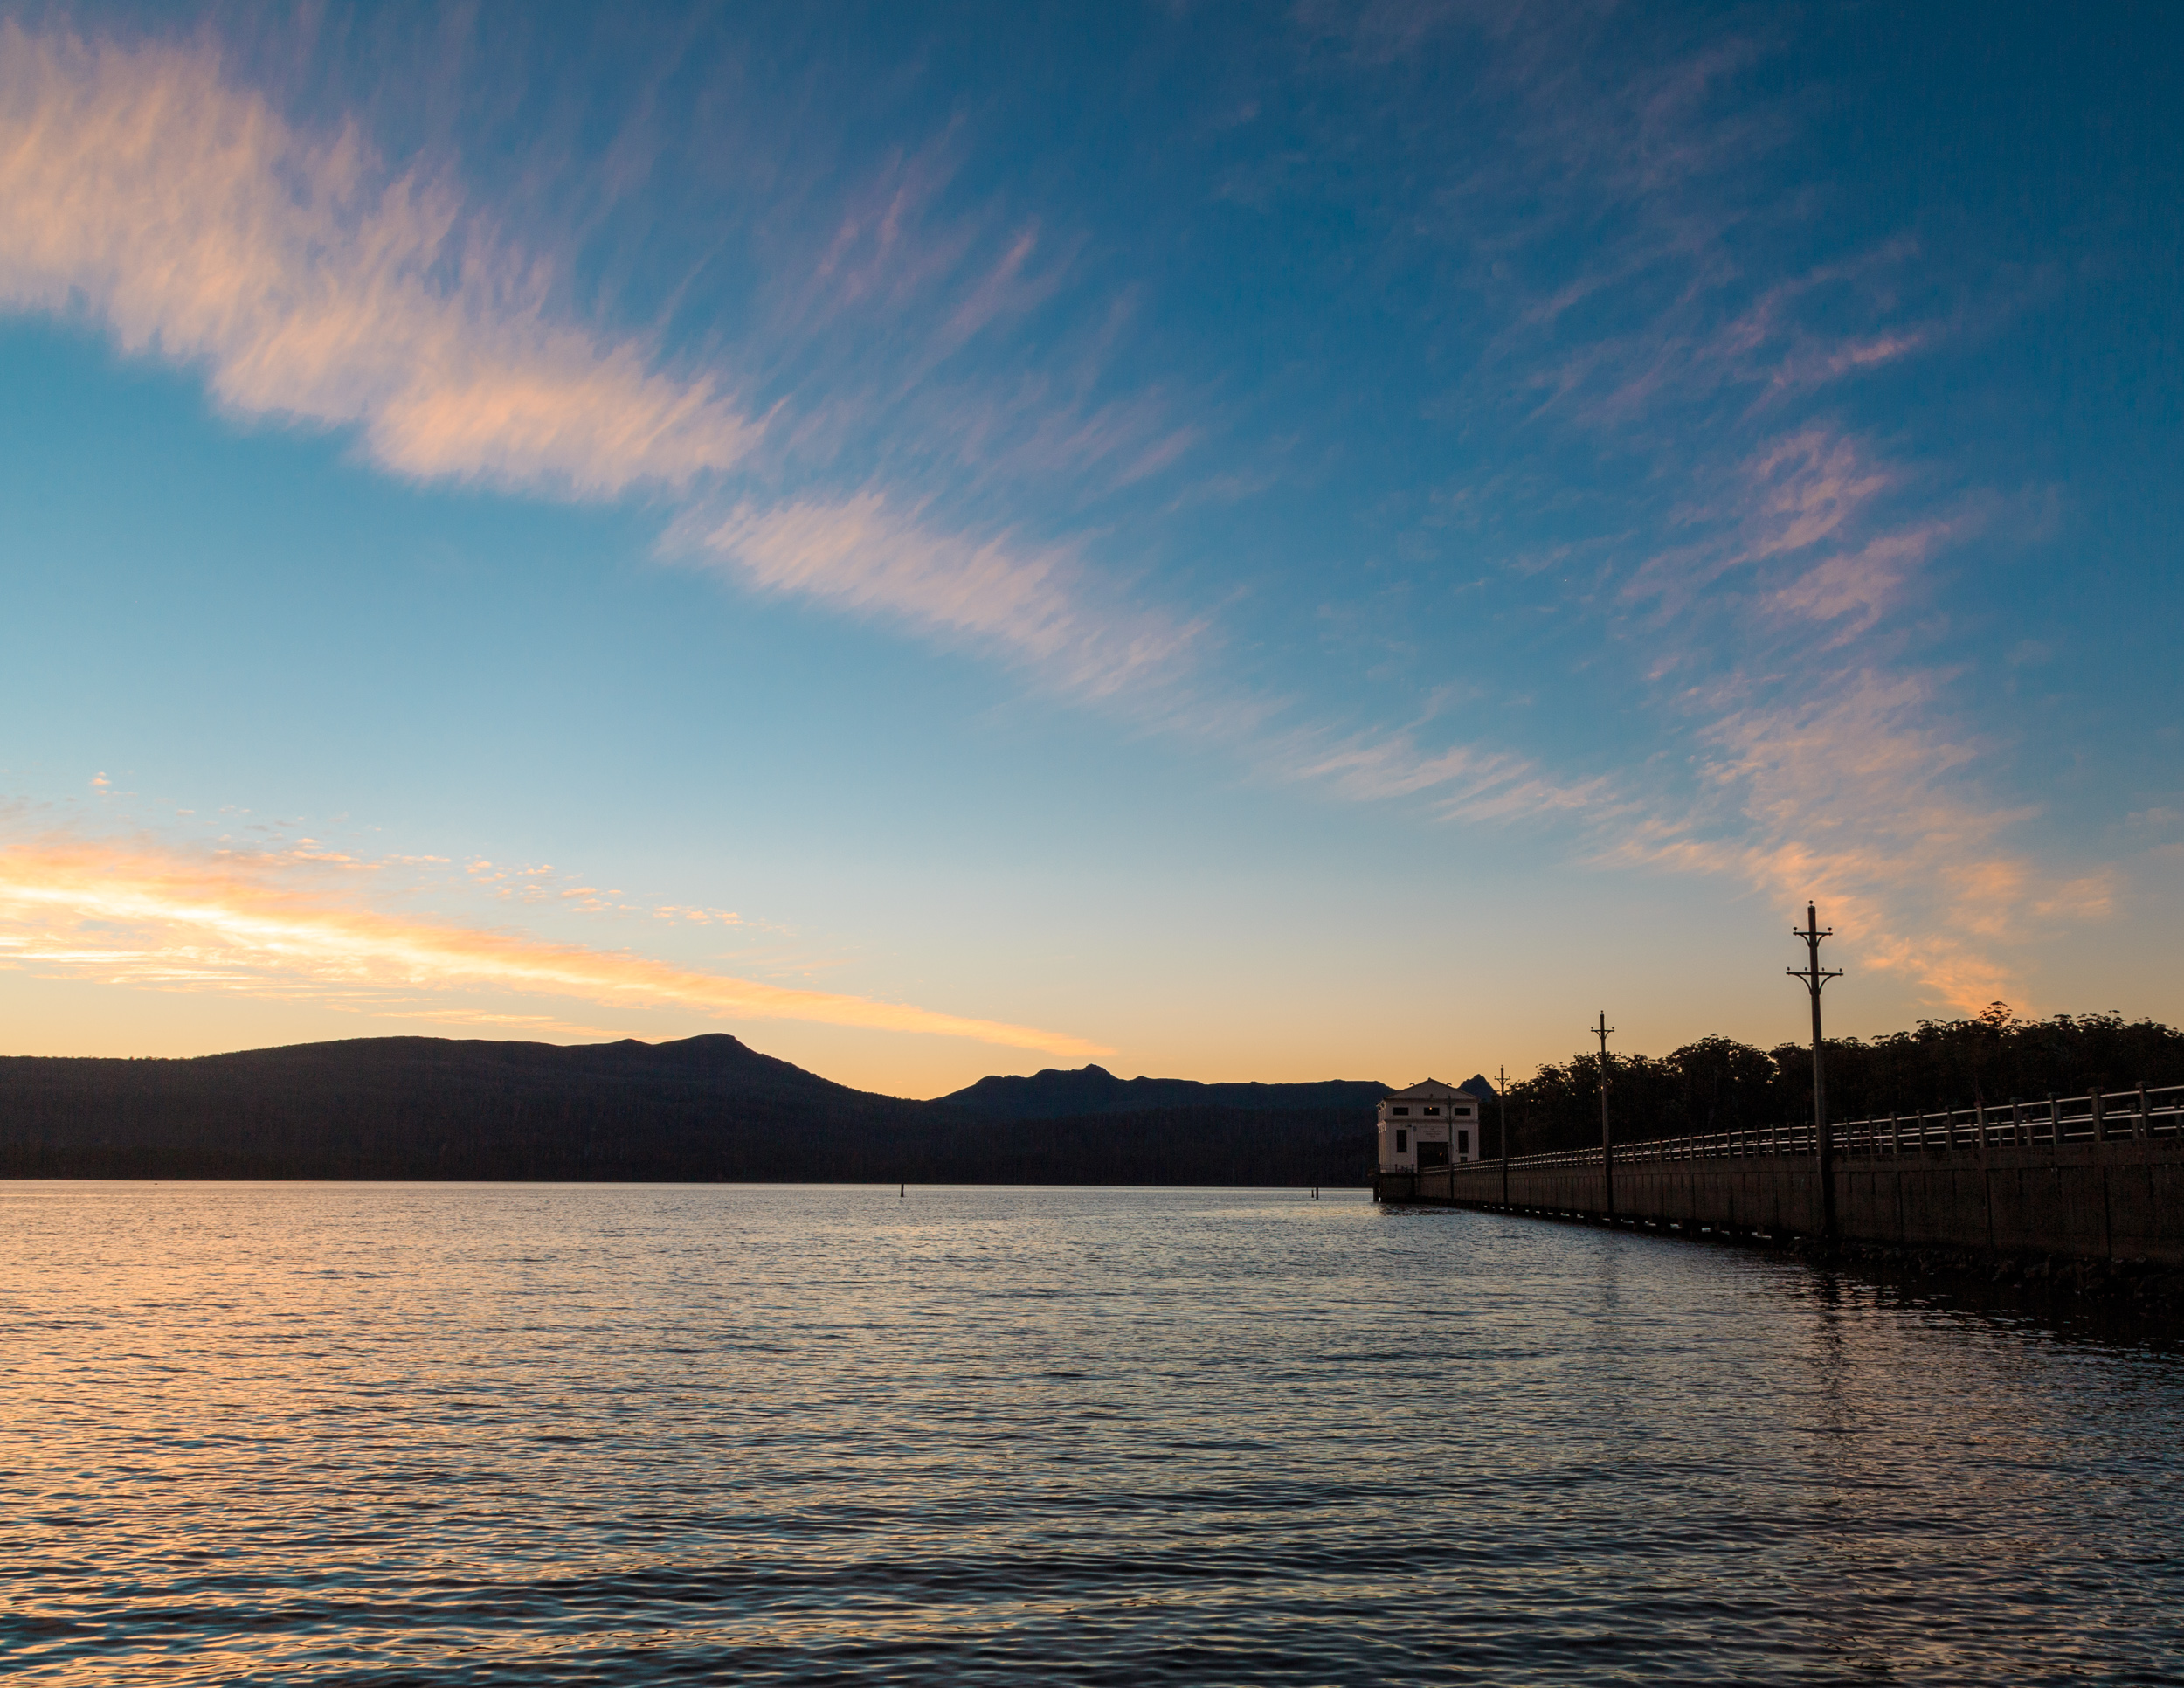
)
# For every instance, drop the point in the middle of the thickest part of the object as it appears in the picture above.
(266, 924)
(1856, 796)
(1807, 488)
(1005, 290)
(141, 188)
(885, 250)
(1034, 605)
(1802, 533)
(1854, 588)
(1463, 783)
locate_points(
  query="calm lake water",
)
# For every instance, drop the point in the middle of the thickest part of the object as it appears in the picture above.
(517, 1434)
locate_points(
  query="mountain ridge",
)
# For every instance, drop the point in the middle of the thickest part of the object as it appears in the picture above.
(703, 1108)
(1054, 1092)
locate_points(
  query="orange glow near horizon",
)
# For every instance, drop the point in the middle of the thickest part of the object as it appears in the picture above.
(284, 924)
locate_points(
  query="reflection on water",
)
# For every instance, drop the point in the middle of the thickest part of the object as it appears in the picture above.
(360, 1434)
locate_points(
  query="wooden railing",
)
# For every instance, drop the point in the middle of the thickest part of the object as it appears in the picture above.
(2114, 1115)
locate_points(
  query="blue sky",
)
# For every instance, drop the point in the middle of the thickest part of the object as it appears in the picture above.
(1231, 542)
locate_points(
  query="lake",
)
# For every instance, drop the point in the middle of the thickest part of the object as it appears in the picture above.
(365, 1433)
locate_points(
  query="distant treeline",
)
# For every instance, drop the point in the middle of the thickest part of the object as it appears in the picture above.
(1717, 1084)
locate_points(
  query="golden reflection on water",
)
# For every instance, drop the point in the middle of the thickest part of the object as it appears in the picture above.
(345, 1433)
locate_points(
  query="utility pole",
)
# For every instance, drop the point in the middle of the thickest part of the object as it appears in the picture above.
(1607, 1143)
(1815, 978)
(1501, 1098)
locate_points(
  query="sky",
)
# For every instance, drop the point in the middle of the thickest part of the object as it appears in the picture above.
(1231, 542)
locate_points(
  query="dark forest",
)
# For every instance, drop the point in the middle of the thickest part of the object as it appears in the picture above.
(1717, 1084)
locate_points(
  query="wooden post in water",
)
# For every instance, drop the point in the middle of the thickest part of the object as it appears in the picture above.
(1815, 978)
(1607, 1142)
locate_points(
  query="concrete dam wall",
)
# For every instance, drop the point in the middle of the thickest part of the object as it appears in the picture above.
(2101, 1186)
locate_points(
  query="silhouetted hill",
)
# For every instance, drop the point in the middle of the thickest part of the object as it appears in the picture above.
(699, 1109)
(1056, 1094)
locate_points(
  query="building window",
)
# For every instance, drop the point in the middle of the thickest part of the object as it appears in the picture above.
(1461, 1113)
(1398, 1111)
(1402, 1143)
(1433, 1110)
(1463, 1145)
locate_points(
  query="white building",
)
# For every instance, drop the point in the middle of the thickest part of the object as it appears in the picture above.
(1430, 1125)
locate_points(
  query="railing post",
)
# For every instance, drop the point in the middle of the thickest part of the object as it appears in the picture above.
(2142, 1124)
(2054, 1121)
(2100, 1119)
(1894, 1133)
(2016, 1124)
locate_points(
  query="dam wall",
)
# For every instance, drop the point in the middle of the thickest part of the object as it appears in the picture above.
(2005, 1183)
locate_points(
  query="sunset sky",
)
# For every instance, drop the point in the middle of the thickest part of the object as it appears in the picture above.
(1334, 541)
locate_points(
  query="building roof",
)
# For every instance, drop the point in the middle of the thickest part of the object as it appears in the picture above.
(1432, 1088)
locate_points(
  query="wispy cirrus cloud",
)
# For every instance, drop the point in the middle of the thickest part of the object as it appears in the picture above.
(1861, 795)
(304, 924)
(1812, 527)
(1829, 765)
(1035, 606)
(142, 189)
(145, 190)
(1774, 566)
(1464, 782)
